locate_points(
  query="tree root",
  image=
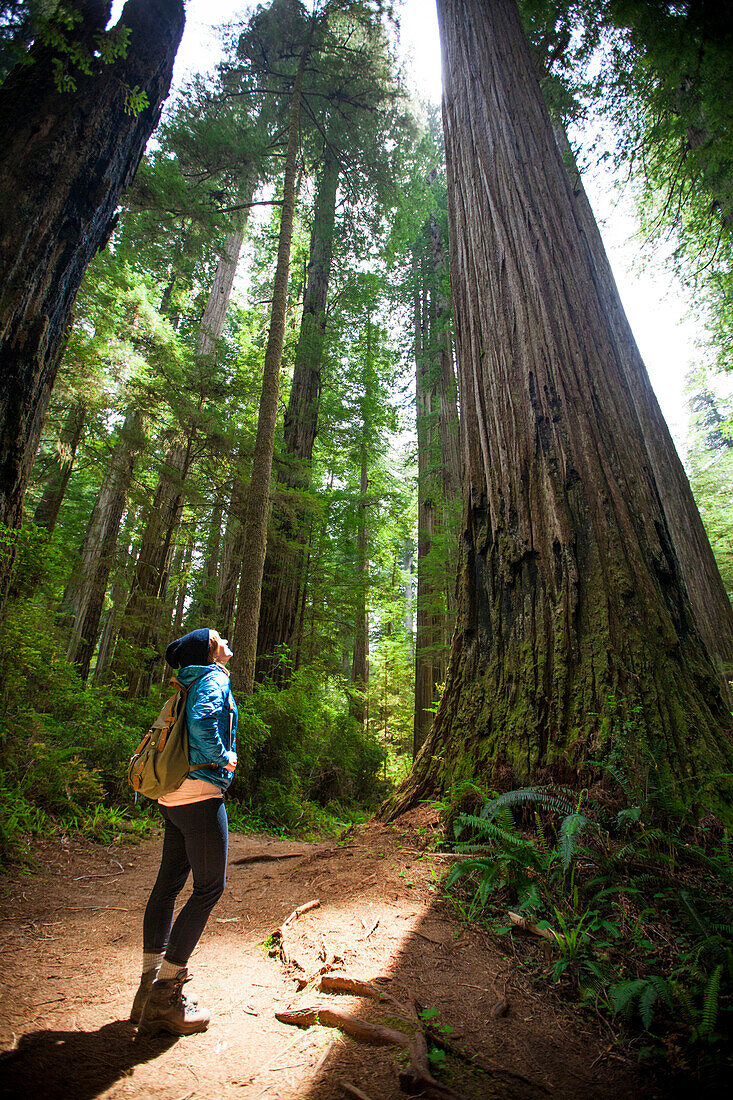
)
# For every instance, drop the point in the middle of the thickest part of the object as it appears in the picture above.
(377, 1034)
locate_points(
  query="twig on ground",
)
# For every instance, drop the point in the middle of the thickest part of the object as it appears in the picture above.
(300, 911)
(372, 930)
(324, 1057)
(268, 1065)
(352, 1090)
(109, 874)
(279, 946)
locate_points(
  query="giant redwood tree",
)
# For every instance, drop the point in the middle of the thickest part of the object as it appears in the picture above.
(74, 121)
(575, 632)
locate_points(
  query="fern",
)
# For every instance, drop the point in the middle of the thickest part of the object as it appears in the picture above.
(570, 830)
(625, 994)
(647, 990)
(491, 831)
(710, 1002)
(560, 799)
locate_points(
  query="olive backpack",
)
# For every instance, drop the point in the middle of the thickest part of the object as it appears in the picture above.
(160, 762)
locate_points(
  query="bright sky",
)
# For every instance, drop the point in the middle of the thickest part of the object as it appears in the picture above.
(654, 303)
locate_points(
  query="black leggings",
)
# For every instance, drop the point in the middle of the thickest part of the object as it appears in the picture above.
(196, 839)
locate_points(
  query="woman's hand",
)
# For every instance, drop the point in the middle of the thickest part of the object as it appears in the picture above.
(232, 764)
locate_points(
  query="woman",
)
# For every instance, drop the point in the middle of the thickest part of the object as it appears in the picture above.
(195, 838)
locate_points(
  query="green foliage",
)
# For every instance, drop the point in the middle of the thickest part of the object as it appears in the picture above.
(637, 909)
(303, 751)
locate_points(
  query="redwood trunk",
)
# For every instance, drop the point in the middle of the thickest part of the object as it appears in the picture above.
(429, 500)
(705, 587)
(101, 543)
(61, 465)
(284, 570)
(258, 498)
(137, 646)
(575, 635)
(67, 157)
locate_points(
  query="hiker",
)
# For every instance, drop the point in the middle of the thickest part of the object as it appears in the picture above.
(195, 838)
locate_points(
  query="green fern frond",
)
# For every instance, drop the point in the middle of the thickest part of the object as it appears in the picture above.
(571, 828)
(624, 994)
(491, 831)
(559, 799)
(710, 1002)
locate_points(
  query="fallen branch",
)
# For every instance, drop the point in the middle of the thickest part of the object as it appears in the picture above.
(263, 857)
(299, 912)
(530, 926)
(277, 938)
(352, 1090)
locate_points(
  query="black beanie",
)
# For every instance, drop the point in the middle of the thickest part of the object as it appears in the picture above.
(191, 649)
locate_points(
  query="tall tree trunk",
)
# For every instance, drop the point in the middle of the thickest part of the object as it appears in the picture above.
(258, 498)
(288, 531)
(181, 569)
(360, 661)
(214, 315)
(428, 503)
(142, 618)
(231, 557)
(101, 542)
(120, 589)
(575, 633)
(450, 431)
(60, 467)
(212, 322)
(66, 158)
(709, 599)
(207, 601)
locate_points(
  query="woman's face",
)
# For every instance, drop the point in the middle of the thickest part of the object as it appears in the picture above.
(223, 652)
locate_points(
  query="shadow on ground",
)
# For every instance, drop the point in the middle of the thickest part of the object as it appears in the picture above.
(79, 1064)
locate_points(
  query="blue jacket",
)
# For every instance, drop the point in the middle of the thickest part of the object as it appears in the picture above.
(207, 718)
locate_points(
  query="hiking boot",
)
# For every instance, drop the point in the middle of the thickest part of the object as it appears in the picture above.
(167, 1009)
(143, 992)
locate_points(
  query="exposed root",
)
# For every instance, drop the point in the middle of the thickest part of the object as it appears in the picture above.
(358, 1029)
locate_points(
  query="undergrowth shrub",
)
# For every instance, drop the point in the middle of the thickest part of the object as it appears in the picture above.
(304, 764)
(637, 908)
(310, 762)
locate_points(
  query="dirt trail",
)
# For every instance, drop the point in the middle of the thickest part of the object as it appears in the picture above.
(70, 962)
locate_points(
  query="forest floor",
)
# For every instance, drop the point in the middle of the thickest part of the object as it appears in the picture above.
(70, 945)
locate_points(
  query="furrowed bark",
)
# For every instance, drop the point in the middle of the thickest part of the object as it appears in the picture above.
(575, 635)
(66, 158)
(427, 652)
(705, 588)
